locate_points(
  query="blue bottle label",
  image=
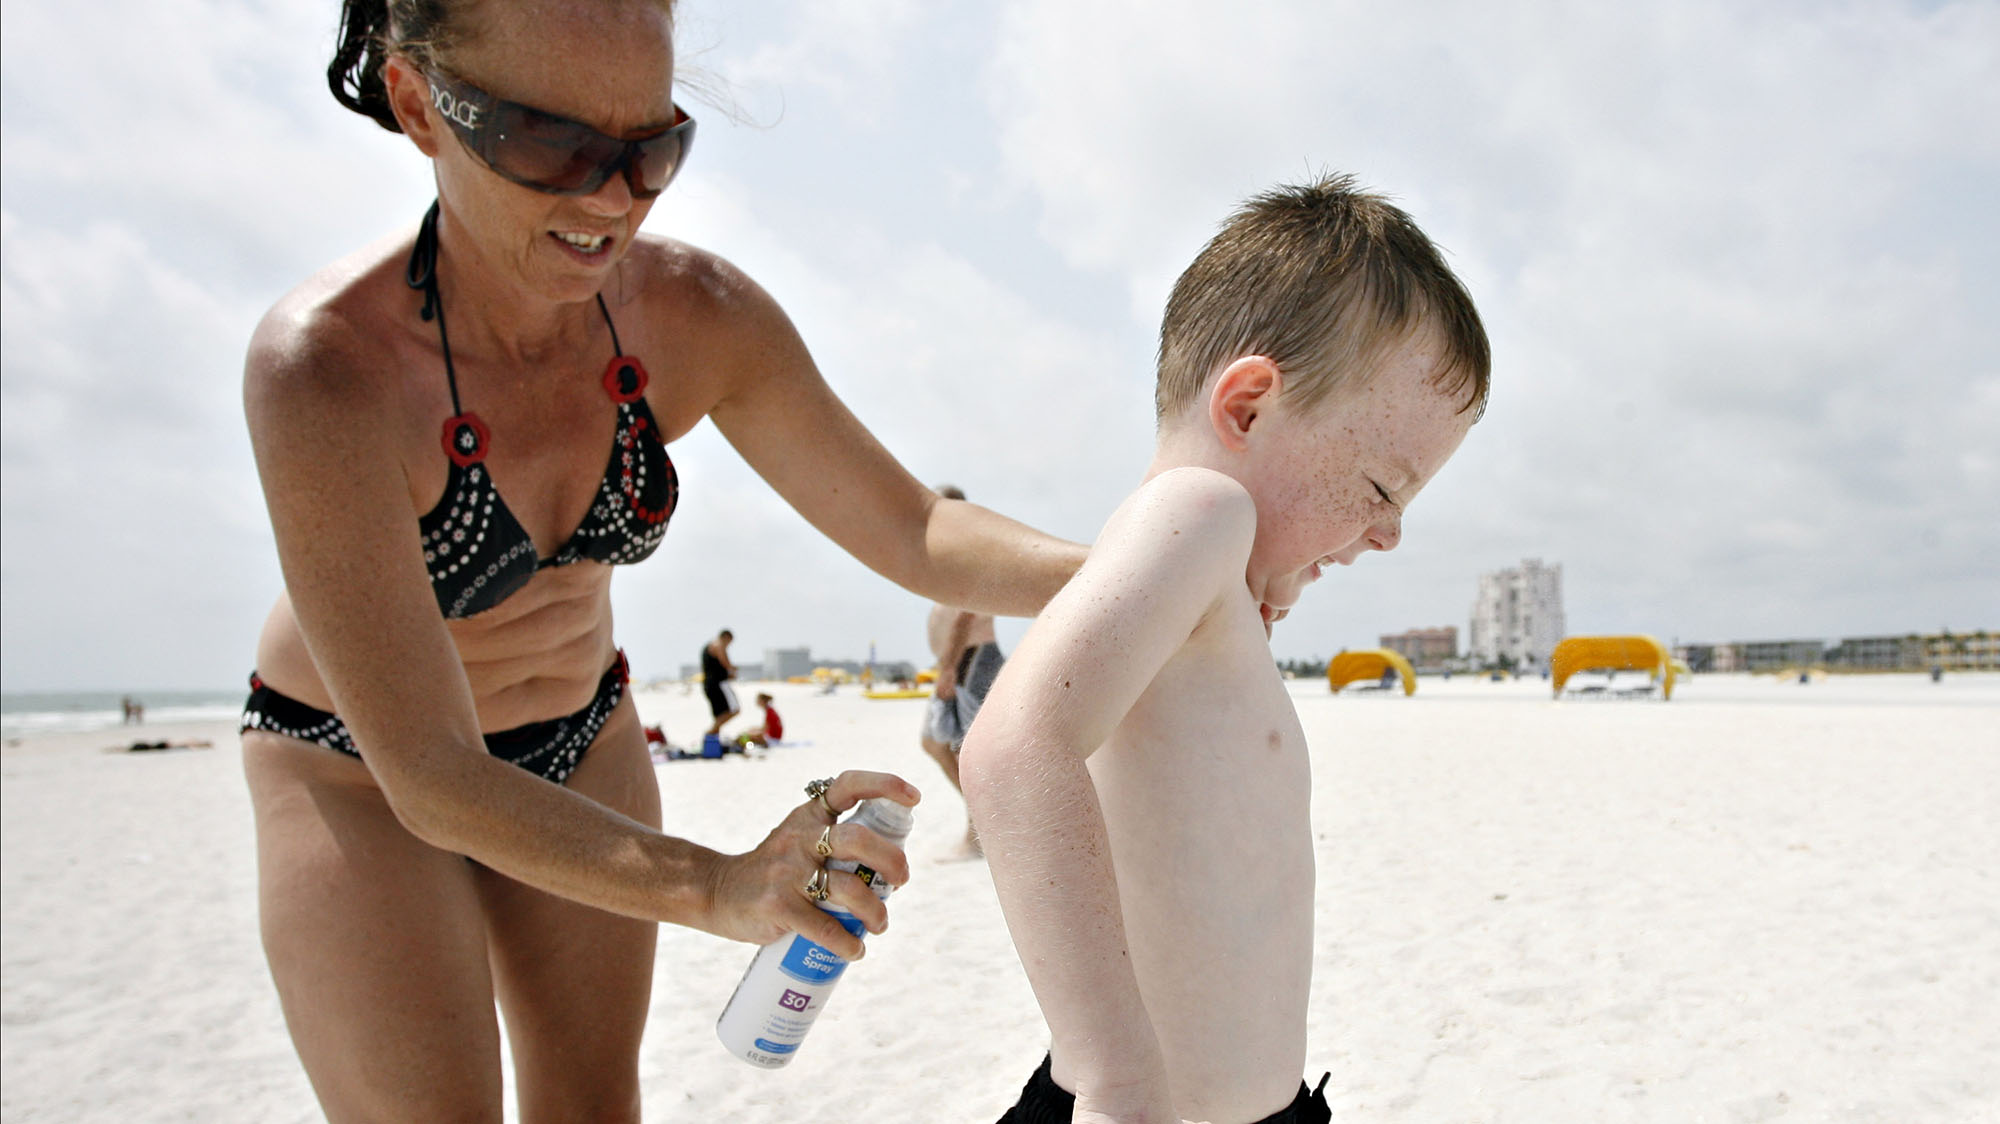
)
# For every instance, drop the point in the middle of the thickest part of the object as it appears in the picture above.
(811, 962)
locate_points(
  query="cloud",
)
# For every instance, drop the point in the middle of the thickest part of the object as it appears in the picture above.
(1737, 262)
(133, 517)
(1727, 344)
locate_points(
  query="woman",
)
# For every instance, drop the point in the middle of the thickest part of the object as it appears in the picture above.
(453, 796)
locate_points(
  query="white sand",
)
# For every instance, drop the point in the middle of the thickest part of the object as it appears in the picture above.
(1759, 901)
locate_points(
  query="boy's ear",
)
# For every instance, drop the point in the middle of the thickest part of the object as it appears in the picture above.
(1241, 394)
(409, 100)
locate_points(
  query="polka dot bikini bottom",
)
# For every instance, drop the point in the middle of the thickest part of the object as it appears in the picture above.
(548, 749)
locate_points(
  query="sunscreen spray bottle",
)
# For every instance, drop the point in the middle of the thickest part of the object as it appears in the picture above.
(790, 978)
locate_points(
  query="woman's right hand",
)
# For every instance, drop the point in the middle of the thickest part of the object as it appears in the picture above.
(760, 896)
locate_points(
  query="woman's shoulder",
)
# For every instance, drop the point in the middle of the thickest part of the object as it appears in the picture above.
(325, 341)
(701, 289)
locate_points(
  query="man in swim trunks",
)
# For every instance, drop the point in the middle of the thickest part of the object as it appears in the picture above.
(716, 672)
(968, 658)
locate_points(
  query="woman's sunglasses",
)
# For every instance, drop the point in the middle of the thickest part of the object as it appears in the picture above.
(555, 154)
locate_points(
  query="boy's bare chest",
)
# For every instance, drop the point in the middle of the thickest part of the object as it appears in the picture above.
(1216, 725)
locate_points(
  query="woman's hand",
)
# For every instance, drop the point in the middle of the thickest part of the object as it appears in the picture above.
(760, 896)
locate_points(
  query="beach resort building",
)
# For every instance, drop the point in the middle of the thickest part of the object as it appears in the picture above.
(787, 663)
(1518, 616)
(1947, 651)
(1777, 655)
(1710, 657)
(1425, 647)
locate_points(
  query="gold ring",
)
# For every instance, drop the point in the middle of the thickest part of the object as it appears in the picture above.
(824, 848)
(817, 790)
(818, 885)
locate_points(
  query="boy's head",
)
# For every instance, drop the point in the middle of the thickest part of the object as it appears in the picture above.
(763, 699)
(1320, 352)
(1322, 279)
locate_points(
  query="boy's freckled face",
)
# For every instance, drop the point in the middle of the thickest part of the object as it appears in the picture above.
(1321, 477)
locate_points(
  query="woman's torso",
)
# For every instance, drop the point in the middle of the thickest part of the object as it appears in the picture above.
(552, 427)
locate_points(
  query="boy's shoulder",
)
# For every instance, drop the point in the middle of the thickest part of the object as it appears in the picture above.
(1185, 526)
(1190, 497)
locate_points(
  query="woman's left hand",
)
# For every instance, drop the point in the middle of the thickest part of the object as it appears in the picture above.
(760, 896)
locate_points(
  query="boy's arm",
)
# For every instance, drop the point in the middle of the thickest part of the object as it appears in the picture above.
(1164, 562)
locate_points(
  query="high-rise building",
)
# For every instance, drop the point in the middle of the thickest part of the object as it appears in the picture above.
(1519, 615)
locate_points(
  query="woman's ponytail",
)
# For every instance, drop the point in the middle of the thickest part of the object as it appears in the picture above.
(355, 75)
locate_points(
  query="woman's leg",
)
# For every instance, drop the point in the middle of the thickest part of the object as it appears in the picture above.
(376, 941)
(575, 982)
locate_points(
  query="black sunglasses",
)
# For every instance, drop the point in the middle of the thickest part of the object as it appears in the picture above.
(555, 154)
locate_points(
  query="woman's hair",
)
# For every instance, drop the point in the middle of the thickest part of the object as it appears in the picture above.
(1321, 278)
(371, 31)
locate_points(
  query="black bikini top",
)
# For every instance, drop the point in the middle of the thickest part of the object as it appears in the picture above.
(477, 552)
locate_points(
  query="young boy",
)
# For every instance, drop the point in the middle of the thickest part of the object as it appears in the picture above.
(1137, 775)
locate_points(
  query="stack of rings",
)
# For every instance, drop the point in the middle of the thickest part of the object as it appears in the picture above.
(817, 790)
(821, 883)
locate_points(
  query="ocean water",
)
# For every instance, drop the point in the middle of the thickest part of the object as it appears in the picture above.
(24, 713)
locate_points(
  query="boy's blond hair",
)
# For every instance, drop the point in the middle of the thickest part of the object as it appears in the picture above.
(1321, 279)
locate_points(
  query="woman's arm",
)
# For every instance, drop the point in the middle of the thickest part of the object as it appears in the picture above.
(787, 424)
(324, 430)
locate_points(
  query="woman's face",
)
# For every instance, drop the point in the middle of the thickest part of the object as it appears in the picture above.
(606, 63)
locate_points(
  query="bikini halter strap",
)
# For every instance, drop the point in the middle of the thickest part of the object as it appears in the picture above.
(421, 274)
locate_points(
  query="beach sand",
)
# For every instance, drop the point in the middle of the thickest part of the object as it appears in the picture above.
(1760, 901)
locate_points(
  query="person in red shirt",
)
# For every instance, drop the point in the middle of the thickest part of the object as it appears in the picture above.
(772, 730)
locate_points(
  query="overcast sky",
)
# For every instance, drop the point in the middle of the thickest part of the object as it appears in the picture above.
(1740, 262)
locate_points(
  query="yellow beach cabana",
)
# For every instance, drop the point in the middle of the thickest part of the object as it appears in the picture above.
(1369, 664)
(1613, 653)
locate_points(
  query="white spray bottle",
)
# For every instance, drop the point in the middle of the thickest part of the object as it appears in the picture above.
(789, 979)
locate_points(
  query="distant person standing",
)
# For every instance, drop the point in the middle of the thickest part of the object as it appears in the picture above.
(716, 672)
(968, 658)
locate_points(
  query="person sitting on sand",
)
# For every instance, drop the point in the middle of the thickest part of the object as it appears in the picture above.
(154, 746)
(1138, 774)
(770, 730)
